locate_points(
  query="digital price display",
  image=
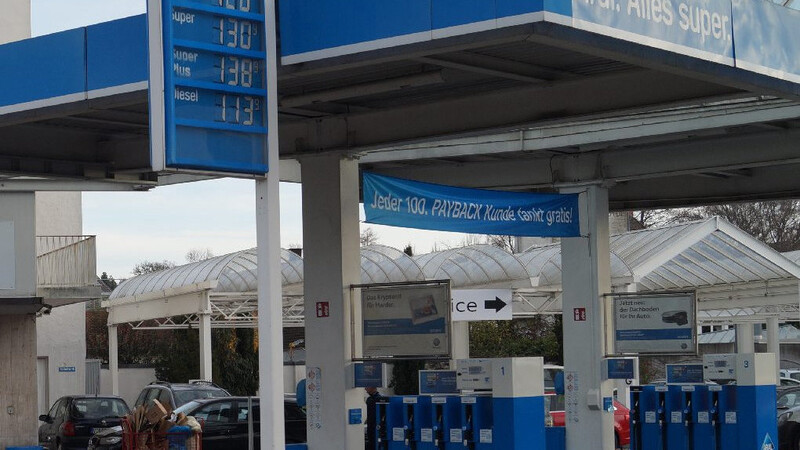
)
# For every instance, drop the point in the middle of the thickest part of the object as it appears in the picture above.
(215, 97)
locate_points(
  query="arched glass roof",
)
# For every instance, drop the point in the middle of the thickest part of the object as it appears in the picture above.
(382, 264)
(692, 255)
(234, 272)
(476, 265)
(544, 264)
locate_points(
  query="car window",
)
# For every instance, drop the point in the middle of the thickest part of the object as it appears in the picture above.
(152, 395)
(98, 408)
(54, 409)
(62, 407)
(795, 375)
(218, 412)
(142, 396)
(187, 408)
(165, 398)
(241, 412)
(293, 412)
(789, 399)
(184, 396)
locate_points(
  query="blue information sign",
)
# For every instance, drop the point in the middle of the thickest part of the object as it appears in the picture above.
(684, 374)
(369, 374)
(434, 382)
(215, 97)
(621, 369)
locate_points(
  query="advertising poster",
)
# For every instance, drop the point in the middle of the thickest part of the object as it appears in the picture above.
(427, 206)
(407, 320)
(655, 324)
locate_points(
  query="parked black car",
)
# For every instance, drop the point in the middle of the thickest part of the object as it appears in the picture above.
(788, 406)
(174, 395)
(106, 439)
(224, 422)
(72, 420)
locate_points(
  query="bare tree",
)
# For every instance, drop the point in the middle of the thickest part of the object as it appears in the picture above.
(508, 243)
(368, 237)
(775, 223)
(199, 254)
(152, 266)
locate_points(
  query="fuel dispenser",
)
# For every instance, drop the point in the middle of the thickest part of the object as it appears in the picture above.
(476, 422)
(445, 418)
(746, 411)
(647, 417)
(388, 416)
(512, 417)
(688, 414)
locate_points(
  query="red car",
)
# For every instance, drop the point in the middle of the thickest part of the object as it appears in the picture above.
(554, 407)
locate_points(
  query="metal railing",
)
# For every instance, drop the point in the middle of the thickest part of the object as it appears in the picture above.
(66, 261)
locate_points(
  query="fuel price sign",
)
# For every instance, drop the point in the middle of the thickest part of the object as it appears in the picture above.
(213, 70)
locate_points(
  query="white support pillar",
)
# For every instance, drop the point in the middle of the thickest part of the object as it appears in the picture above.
(332, 262)
(113, 358)
(270, 317)
(586, 277)
(459, 331)
(205, 347)
(774, 343)
(268, 241)
(745, 338)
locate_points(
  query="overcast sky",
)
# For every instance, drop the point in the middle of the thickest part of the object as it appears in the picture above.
(167, 222)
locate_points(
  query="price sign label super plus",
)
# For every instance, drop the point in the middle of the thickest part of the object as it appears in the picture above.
(215, 98)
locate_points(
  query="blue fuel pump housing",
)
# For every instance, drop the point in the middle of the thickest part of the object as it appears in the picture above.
(445, 416)
(388, 418)
(476, 422)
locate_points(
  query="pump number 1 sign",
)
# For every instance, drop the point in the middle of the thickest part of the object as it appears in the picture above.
(208, 86)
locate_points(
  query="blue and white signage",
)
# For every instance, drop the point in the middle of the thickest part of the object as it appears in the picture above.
(410, 320)
(620, 369)
(684, 373)
(412, 204)
(437, 382)
(758, 36)
(66, 369)
(700, 28)
(213, 101)
(369, 374)
(655, 324)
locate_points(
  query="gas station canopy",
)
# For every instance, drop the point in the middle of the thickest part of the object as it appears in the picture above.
(547, 99)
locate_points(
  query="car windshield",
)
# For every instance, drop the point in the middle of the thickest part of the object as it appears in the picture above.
(795, 375)
(184, 396)
(98, 408)
(789, 399)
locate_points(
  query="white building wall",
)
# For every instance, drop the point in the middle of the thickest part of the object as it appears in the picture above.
(62, 334)
(131, 382)
(15, 21)
(18, 423)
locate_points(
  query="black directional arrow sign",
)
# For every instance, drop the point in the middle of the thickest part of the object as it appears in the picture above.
(495, 304)
(481, 304)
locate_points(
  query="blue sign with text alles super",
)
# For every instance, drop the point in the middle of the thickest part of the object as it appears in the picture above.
(412, 204)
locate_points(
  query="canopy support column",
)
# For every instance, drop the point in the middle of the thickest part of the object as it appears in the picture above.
(586, 263)
(774, 343)
(205, 347)
(745, 338)
(332, 264)
(113, 358)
